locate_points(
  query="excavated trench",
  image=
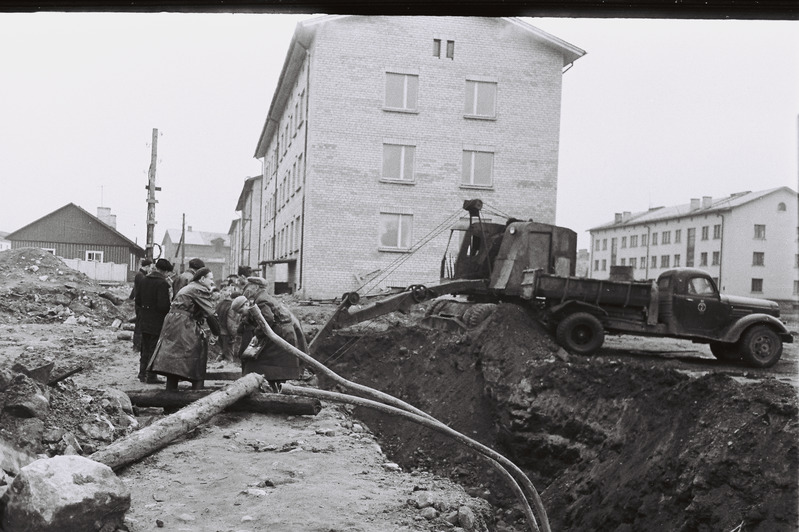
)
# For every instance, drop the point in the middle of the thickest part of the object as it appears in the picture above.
(609, 445)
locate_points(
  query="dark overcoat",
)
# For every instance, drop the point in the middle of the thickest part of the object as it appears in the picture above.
(152, 300)
(273, 362)
(182, 348)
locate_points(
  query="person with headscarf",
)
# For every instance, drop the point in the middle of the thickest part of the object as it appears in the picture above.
(262, 355)
(182, 350)
(185, 278)
(152, 303)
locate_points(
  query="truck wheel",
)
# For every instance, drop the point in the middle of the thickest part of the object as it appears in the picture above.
(761, 347)
(580, 333)
(725, 351)
(477, 314)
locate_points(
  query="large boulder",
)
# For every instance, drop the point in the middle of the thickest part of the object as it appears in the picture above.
(24, 398)
(65, 494)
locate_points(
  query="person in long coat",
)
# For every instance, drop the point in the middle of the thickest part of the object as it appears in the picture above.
(273, 362)
(152, 303)
(146, 267)
(185, 278)
(182, 351)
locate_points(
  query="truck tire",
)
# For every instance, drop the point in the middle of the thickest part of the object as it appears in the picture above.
(580, 333)
(477, 314)
(725, 351)
(761, 347)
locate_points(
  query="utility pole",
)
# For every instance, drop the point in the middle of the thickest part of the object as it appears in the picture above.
(151, 189)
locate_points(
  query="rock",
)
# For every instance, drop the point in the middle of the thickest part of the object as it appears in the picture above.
(6, 376)
(37, 367)
(72, 320)
(429, 513)
(26, 433)
(124, 335)
(116, 323)
(53, 434)
(424, 499)
(99, 429)
(110, 297)
(113, 399)
(25, 399)
(65, 494)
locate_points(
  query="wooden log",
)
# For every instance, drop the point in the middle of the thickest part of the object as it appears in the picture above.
(156, 436)
(262, 403)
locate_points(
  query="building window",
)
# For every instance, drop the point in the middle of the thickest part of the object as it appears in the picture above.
(654, 239)
(716, 256)
(654, 262)
(94, 255)
(760, 232)
(643, 240)
(705, 232)
(396, 231)
(478, 168)
(596, 265)
(703, 258)
(623, 262)
(481, 97)
(398, 162)
(624, 241)
(596, 246)
(450, 49)
(436, 47)
(604, 264)
(781, 207)
(664, 261)
(401, 91)
(716, 231)
(677, 261)
(677, 236)
(795, 261)
(634, 241)
(757, 285)
(666, 237)
(604, 244)
(633, 263)
(643, 262)
(796, 288)
(758, 258)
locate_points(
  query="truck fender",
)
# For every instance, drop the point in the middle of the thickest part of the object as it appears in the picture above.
(734, 332)
(570, 307)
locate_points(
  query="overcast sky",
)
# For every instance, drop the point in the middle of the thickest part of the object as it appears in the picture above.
(657, 112)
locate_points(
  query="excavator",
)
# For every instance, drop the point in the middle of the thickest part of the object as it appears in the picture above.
(489, 268)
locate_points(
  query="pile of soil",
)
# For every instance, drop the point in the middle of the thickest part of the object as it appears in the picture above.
(610, 445)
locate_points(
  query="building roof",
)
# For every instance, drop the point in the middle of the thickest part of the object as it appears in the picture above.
(233, 224)
(197, 238)
(716, 205)
(129, 242)
(248, 184)
(304, 34)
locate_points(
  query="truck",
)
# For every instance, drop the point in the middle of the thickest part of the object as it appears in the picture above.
(533, 264)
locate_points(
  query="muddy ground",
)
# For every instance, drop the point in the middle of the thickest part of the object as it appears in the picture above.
(649, 435)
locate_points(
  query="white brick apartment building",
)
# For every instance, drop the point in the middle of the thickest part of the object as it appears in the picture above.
(380, 127)
(746, 241)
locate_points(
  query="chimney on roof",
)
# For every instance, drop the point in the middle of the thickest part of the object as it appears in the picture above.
(617, 219)
(105, 216)
(707, 201)
(694, 204)
(188, 229)
(625, 216)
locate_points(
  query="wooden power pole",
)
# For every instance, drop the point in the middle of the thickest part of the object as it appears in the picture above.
(151, 189)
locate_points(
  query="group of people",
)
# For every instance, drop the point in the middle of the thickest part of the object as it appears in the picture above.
(173, 321)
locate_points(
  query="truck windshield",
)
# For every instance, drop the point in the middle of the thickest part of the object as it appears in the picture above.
(701, 286)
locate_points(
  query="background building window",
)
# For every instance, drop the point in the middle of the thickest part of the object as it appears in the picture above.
(654, 262)
(677, 236)
(634, 241)
(757, 285)
(758, 258)
(398, 162)
(705, 232)
(633, 262)
(654, 239)
(716, 257)
(624, 241)
(760, 232)
(717, 231)
(643, 262)
(396, 230)
(677, 261)
(703, 258)
(450, 49)
(666, 238)
(796, 288)
(401, 91)
(604, 264)
(478, 168)
(481, 98)
(94, 255)
(436, 47)
(664, 261)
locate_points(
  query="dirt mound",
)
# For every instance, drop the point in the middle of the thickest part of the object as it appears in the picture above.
(611, 446)
(36, 286)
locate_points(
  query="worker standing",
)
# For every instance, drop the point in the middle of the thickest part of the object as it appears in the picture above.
(267, 358)
(185, 278)
(182, 351)
(153, 302)
(146, 266)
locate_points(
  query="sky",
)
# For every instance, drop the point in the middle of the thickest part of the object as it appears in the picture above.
(657, 112)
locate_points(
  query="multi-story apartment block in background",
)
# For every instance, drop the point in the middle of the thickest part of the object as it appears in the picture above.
(746, 241)
(380, 127)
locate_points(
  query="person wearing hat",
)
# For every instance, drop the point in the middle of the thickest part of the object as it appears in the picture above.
(182, 350)
(270, 360)
(153, 302)
(146, 266)
(185, 278)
